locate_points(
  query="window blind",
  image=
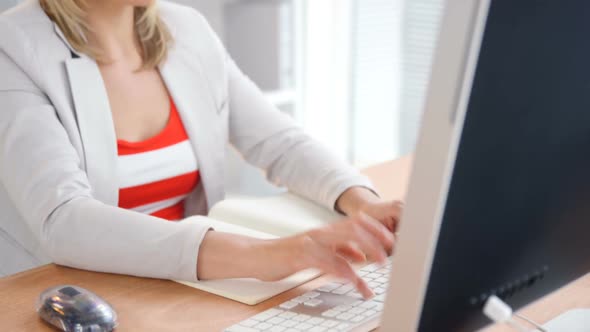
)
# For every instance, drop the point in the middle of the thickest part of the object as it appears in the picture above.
(394, 43)
(420, 28)
(375, 81)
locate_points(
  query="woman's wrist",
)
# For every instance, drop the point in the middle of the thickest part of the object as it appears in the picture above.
(224, 255)
(354, 200)
(279, 258)
(219, 250)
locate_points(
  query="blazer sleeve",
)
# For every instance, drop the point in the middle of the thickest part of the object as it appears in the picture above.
(272, 141)
(41, 172)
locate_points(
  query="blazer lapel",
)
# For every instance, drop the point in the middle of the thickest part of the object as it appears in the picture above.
(186, 82)
(95, 123)
(96, 127)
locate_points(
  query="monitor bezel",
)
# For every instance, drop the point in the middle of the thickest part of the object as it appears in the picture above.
(453, 71)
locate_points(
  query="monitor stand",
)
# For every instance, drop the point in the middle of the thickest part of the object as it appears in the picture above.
(576, 320)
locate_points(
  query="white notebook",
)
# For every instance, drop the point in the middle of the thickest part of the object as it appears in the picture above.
(268, 217)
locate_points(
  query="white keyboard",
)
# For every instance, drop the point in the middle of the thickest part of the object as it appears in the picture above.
(331, 307)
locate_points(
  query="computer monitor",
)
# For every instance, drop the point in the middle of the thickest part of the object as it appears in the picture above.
(499, 201)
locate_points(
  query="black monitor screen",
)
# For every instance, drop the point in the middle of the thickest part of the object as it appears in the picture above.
(517, 218)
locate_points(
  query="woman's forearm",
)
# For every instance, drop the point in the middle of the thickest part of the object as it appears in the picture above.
(225, 255)
(331, 249)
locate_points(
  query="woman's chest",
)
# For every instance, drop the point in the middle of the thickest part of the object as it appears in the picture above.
(139, 102)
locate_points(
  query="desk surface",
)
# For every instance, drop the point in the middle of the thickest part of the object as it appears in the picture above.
(160, 305)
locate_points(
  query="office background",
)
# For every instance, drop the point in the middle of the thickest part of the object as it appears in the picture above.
(353, 73)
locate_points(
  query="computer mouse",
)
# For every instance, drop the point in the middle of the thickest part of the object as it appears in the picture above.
(75, 309)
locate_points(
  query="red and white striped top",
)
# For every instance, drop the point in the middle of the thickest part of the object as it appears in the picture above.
(156, 175)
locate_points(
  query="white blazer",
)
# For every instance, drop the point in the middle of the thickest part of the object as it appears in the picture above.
(58, 154)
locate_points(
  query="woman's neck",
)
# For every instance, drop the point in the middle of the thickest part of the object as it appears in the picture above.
(113, 31)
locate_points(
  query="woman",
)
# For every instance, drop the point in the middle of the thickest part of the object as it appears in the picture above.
(114, 117)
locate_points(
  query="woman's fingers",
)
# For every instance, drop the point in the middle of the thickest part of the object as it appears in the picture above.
(368, 243)
(388, 213)
(329, 262)
(395, 214)
(369, 236)
(343, 269)
(333, 247)
(363, 288)
(352, 252)
(378, 231)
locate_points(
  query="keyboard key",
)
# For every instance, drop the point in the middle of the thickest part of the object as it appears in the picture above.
(249, 322)
(382, 280)
(379, 307)
(238, 328)
(343, 289)
(287, 315)
(355, 294)
(329, 323)
(371, 268)
(290, 323)
(289, 305)
(383, 270)
(345, 316)
(368, 305)
(300, 299)
(316, 321)
(277, 329)
(379, 290)
(291, 330)
(313, 303)
(342, 307)
(370, 313)
(358, 319)
(362, 273)
(301, 318)
(311, 295)
(275, 320)
(343, 326)
(303, 326)
(263, 326)
(380, 297)
(375, 275)
(329, 287)
(356, 310)
(357, 303)
(317, 329)
(330, 313)
(267, 314)
(374, 284)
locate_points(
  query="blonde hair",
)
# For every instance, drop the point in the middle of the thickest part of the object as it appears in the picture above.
(152, 34)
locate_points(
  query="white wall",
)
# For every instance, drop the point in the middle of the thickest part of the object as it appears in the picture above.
(211, 9)
(5, 4)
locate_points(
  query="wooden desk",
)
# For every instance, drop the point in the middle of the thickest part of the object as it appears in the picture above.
(159, 305)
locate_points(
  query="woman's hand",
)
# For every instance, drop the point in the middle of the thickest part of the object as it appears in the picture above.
(367, 235)
(332, 249)
(386, 212)
(357, 200)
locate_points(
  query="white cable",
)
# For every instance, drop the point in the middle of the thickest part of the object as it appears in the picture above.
(530, 321)
(516, 326)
